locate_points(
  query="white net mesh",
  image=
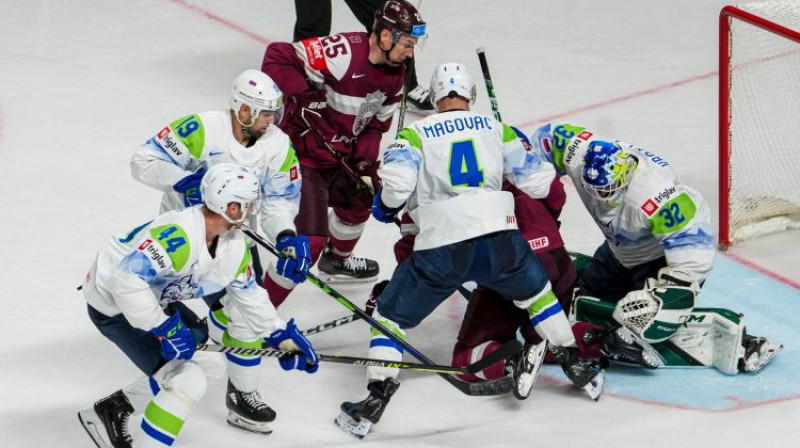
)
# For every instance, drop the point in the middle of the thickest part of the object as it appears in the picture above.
(764, 128)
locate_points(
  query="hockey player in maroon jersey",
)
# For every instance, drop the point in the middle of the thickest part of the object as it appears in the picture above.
(342, 92)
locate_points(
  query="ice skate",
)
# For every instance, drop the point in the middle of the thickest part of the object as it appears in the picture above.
(107, 422)
(622, 345)
(524, 368)
(248, 411)
(357, 418)
(758, 352)
(586, 375)
(347, 270)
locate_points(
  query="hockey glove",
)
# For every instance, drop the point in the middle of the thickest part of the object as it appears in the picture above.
(177, 341)
(190, 187)
(291, 339)
(383, 213)
(295, 264)
(305, 110)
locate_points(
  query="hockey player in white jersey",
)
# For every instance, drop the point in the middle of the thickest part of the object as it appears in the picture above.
(135, 290)
(175, 159)
(659, 250)
(448, 170)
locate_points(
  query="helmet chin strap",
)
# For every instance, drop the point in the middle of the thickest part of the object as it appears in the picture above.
(246, 127)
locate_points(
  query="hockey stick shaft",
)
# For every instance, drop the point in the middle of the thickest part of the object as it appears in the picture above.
(468, 388)
(487, 79)
(473, 368)
(330, 325)
(336, 154)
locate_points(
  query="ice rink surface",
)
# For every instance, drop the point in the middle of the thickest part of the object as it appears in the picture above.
(82, 83)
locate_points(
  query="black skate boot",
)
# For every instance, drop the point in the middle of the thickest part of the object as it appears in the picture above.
(419, 99)
(248, 411)
(348, 270)
(622, 345)
(107, 423)
(524, 368)
(758, 352)
(357, 418)
(585, 374)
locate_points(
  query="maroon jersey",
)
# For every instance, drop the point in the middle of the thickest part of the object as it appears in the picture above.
(361, 97)
(537, 218)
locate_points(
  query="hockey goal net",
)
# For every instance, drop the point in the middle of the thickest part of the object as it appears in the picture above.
(759, 95)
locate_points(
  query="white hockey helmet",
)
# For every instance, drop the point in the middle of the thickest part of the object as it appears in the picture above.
(228, 182)
(257, 90)
(452, 77)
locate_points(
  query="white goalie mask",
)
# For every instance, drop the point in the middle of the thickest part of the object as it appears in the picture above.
(227, 182)
(452, 77)
(258, 91)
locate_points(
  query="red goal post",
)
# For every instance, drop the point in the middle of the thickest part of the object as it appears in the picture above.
(759, 119)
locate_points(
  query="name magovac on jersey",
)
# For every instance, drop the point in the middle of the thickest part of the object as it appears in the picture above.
(154, 252)
(457, 124)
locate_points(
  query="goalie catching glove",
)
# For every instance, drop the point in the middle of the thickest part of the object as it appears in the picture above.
(656, 312)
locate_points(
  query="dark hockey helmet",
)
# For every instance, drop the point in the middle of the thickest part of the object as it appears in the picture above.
(399, 17)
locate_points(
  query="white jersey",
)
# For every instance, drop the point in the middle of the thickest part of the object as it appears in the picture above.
(658, 216)
(140, 271)
(205, 139)
(450, 168)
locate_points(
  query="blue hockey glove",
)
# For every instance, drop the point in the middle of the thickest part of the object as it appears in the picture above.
(295, 264)
(290, 339)
(381, 212)
(190, 187)
(177, 341)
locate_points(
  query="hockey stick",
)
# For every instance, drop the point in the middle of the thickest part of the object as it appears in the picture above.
(330, 325)
(487, 78)
(336, 154)
(494, 387)
(500, 354)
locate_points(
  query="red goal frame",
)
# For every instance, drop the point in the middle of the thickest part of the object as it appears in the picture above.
(728, 14)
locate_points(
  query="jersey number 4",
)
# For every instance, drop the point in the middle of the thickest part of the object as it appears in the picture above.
(465, 169)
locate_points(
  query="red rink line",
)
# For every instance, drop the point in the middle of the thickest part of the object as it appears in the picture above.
(764, 271)
(632, 96)
(222, 21)
(622, 99)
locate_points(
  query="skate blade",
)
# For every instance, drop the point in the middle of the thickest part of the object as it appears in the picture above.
(650, 355)
(524, 384)
(338, 279)
(356, 428)
(240, 422)
(594, 388)
(766, 357)
(91, 423)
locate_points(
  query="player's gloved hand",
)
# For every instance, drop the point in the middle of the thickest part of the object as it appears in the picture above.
(367, 170)
(306, 109)
(381, 212)
(190, 187)
(295, 264)
(372, 301)
(290, 339)
(177, 341)
(668, 276)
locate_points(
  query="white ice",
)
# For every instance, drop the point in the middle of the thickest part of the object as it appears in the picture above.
(82, 83)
